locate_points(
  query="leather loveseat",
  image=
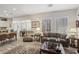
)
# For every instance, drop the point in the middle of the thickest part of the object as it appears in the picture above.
(54, 36)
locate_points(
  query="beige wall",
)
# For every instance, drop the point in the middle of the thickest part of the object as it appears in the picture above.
(71, 14)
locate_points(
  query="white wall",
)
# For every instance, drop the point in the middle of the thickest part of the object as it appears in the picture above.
(71, 14)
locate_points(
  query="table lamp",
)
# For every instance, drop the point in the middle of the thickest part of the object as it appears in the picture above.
(72, 32)
(38, 30)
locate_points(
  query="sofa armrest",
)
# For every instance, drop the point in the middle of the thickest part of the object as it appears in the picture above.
(65, 42)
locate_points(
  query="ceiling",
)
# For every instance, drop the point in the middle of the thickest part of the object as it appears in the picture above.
(13, 10)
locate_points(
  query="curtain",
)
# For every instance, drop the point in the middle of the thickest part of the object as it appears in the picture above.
(61, 25)
(46, 24)
(55, 24)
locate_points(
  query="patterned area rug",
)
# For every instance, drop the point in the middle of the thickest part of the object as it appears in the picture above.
(24, 50)
(33, 50)
(70, 50)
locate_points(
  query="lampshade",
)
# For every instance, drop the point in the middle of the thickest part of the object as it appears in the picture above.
(72, 31)
(38, 29)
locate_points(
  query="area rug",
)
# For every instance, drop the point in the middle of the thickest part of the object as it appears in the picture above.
(23, 50)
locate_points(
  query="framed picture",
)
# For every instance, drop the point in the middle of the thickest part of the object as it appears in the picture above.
(35, 24)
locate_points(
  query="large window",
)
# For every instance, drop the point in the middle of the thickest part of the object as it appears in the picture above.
(55, 24)
(46, 25)
(61, 24)
(24, 25)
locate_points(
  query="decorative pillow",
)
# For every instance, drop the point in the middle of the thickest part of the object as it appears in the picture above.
(45, 34)
(63, 36)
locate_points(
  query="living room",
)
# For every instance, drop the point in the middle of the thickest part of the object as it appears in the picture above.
(39, 29)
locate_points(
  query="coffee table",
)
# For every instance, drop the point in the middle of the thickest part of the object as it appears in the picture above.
(44, 49)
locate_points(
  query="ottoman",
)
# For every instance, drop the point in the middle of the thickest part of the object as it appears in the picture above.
(27, 39)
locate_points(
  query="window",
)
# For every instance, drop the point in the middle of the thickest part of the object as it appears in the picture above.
(55, 24)
(46, 25)
(61, 25)
(24, 25)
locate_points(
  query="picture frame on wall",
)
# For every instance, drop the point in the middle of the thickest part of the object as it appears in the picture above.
(35, 24)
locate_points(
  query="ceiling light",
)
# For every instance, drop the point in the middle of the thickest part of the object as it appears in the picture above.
(50, 5)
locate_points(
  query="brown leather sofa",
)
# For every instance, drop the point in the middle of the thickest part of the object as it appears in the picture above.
(9, 36)
(54, 36)
(12, 35)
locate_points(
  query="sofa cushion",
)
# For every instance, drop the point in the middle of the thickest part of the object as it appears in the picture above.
(63, 36)
(45, 34)
(50, 34)
(54, 35)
